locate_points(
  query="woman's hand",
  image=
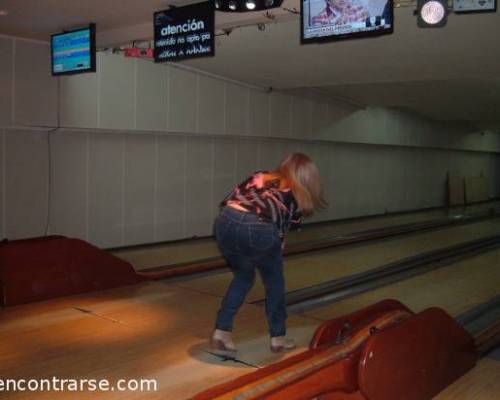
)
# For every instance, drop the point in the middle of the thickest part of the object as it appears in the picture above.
(258, 181)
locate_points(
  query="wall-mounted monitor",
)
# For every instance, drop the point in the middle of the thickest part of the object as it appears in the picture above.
(74, 52)
(327, 20)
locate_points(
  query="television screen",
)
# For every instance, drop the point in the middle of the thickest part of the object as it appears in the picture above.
(325, 20)
(185, 32)
(73, 52)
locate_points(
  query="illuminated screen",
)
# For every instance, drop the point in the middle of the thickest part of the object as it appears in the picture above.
(185, 32)
(73, 52)
(325, 20)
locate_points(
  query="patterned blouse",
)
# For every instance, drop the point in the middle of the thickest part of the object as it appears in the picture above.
(267, 201)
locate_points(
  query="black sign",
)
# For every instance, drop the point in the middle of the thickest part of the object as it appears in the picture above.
(185, 32)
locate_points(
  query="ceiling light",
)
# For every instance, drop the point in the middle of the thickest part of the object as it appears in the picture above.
(432, 13)
(246, 5)
(3, 13)
(250, 4)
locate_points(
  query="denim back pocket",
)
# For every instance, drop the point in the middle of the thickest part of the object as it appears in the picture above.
(223, 227)
(261, 236)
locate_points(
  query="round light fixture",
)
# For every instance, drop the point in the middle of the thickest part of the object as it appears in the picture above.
(432, 12)
(250, 4)
(242, 6)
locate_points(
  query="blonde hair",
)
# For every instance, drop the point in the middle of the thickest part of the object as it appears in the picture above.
(298, 173)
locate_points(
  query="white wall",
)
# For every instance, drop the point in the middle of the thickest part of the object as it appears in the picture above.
(116, 189)
(145, 152)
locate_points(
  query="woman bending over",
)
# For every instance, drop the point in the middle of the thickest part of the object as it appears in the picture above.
(250, 231)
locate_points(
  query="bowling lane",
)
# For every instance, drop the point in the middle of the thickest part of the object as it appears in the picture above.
(455, 288)
(310, 269)
(189, 250)
(481, 383)
(133, 332)
(316, 232)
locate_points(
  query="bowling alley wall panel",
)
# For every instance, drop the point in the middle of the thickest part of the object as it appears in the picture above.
(144, 153)
(6, 80)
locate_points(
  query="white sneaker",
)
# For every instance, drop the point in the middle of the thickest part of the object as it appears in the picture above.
(222, 342)
(282, 343)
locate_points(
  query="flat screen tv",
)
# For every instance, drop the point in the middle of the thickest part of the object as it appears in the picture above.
(327, 20)
(73, 52)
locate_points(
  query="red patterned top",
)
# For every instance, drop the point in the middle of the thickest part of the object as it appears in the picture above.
(267, 201)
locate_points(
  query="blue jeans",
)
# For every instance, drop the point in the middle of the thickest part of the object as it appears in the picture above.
(248, 243)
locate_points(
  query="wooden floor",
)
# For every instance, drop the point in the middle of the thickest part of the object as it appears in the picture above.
(455, 288)
(310, 269)
(147, 331)
(158, 330)
(482, 383)
(171, 253)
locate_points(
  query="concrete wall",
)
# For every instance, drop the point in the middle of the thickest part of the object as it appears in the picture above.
(145, 152)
